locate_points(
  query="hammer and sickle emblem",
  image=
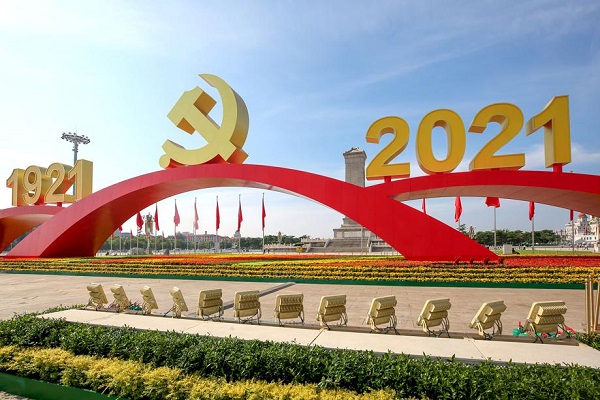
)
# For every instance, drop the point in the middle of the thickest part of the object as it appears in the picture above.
(224, 143)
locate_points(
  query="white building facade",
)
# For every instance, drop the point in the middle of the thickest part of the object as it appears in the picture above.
(582, 232)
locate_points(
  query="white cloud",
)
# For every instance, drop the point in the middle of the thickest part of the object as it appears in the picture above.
(111, 24)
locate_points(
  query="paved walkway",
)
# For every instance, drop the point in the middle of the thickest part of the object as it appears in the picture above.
(26, 293)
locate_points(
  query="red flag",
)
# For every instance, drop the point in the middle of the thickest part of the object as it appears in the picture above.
(423, 206)
(240, 217)
(139, 221)
(492, 202)
(264, 213)
(531, 210)
(218, 222)
(195, 216)
(176, 219)
(571, 215)
(121, 228)
(457, 209)
(156, 228)
(131, 232)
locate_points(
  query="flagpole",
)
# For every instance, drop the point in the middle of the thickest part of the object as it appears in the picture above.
(572, 235)
(532, 235)
(494, 226)
(263, 223)
(194, 226)
(156, 226)
(195, 223)
(175, 229)
(217, 229)
(240, 228)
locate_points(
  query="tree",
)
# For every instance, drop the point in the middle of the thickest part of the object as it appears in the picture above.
(516, 238)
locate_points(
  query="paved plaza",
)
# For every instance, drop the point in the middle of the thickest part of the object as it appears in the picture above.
(26, 293)
(33, 292)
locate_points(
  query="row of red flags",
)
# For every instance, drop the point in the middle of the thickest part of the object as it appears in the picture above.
(177, 218)
(490, 202)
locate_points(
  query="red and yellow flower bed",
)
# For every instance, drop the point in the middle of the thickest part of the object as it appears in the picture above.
(563, 270)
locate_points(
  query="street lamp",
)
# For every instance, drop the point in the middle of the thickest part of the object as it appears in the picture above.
(76, 140)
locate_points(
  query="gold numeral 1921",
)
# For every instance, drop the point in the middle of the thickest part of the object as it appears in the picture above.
(36, 185)
(554, 118)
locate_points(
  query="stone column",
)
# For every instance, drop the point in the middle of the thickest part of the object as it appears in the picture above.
(355, 173)
(355, 166)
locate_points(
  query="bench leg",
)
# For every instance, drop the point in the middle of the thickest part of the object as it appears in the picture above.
(445, 328)
(535, 334)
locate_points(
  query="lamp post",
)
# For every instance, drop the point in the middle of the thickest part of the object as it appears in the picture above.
(76, 140)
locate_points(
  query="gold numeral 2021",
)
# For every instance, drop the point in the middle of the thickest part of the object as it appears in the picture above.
(554, 118)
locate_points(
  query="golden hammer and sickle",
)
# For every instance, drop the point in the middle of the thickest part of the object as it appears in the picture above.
(190, 113)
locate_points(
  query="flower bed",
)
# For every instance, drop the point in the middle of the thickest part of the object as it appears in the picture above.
(519, 270)
(136, 380)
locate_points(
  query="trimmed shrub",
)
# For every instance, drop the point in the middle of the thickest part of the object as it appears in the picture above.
(235, 360)
(136, 380)
(592, 339)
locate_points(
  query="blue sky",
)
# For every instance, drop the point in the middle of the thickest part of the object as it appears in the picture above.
(314, 75)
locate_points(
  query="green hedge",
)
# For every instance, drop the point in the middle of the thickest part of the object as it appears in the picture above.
(359, 371)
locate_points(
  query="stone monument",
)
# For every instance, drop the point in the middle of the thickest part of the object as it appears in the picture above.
(351, 234)
(350, 237)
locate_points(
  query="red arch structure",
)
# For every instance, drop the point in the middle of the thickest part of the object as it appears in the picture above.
(82, 228)
(566, 190)
(17, 220)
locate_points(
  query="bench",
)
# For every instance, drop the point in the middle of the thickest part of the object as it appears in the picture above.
(210, 302)
(148, 300)
(246, 306)
(289, 306)
(179, 304)
(332, 308)
(545, 317)
(382, 312)
(435, 313)
(488, 316)
(97, 296)
(121, 300)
